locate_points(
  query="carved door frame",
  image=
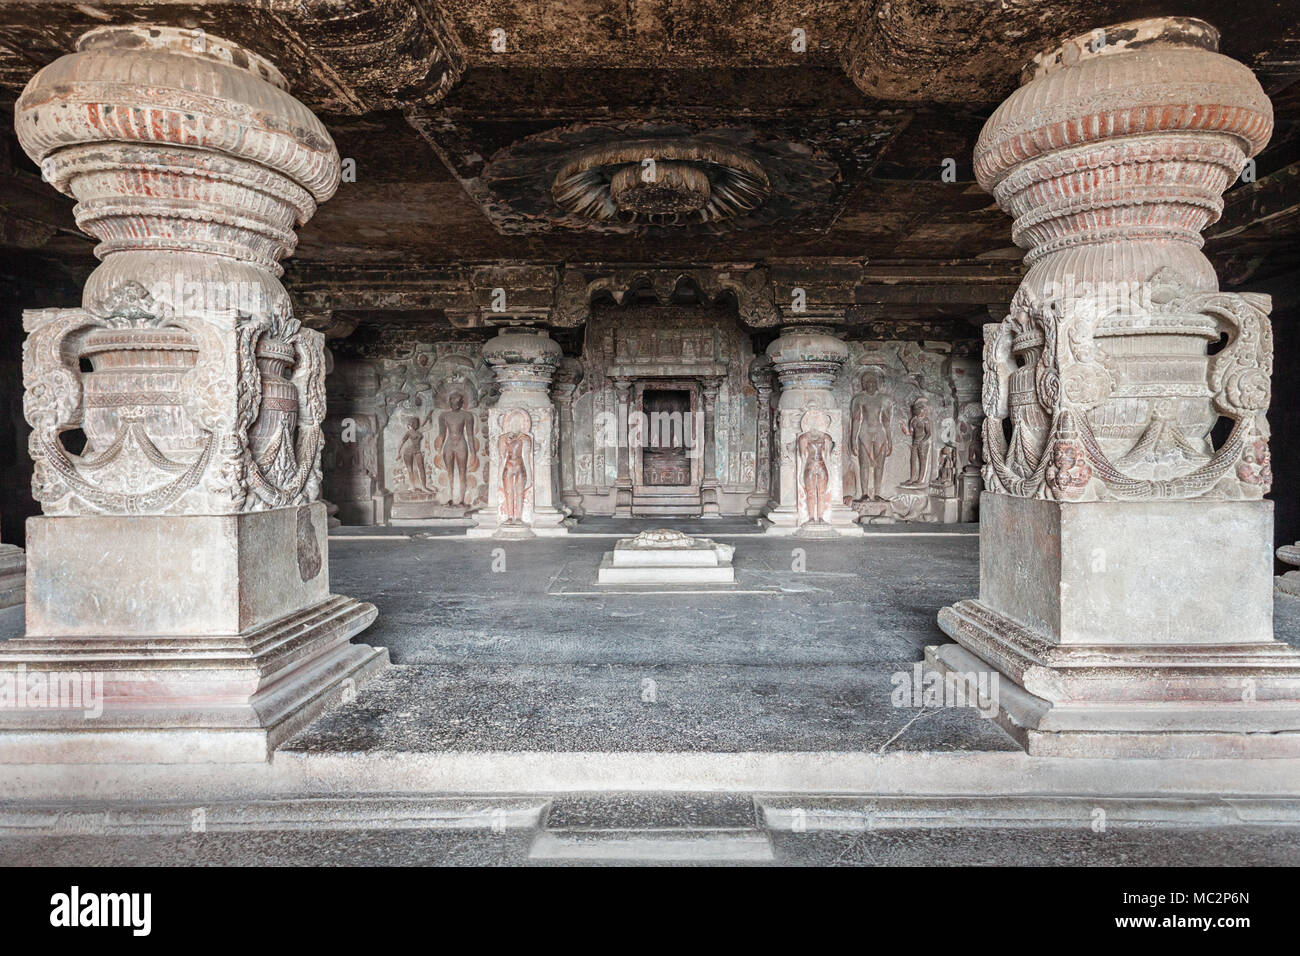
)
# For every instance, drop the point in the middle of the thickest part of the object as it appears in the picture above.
(695, 455)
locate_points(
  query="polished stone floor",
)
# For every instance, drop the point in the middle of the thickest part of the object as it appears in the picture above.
(512, 646)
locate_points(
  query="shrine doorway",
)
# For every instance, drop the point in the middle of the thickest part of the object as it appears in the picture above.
(665, 449)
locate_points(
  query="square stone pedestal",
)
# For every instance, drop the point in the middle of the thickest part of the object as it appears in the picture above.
(172, 639)
(667, 557)
(1129, 628)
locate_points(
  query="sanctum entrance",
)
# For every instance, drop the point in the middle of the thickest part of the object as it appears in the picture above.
(667, 476)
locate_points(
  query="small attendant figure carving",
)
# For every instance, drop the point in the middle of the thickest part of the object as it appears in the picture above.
(814, 447)
(920, 427)
(458, 446)
(515, 447)
(948, 469)
(411, 453)
(870, 433)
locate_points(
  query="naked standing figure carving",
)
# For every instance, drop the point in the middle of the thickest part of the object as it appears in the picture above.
(515, 447)
(814, 446)
(871, 437)
(458, 446)
(920, 427)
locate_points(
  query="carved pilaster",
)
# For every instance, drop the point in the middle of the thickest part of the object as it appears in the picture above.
(523, 438)
(810, 495)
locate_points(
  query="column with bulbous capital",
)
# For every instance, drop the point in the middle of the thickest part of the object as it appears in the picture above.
(809, 447)
(1125, 555)
(523, 439)
(181, 559)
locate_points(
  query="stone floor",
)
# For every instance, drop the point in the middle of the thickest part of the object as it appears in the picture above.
(533, 655)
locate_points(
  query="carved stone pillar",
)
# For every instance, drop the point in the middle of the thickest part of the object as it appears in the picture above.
(965, 373)
(810, 496)
(709, 481)
(181, 560)
(567, 377)
(353, 458)
(762, 378)
(523, 482)
(625, 432)
(1125, 561)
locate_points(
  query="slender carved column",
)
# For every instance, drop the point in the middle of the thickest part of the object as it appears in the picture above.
(810, 496)
(181, 559)
(626, 432)
(709, 482)
(762, 378)
(567, 377)
(1125, 566)
(523, 485)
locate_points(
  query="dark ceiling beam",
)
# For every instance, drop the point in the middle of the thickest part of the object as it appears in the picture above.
(1268, 203)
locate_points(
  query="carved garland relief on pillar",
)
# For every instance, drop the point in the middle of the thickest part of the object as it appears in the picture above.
(180, 415)
(1089, 425)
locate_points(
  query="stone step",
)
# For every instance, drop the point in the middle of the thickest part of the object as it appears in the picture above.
(651, 846)
(653, 828)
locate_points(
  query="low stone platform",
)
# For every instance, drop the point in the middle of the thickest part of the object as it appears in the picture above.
(663, 556)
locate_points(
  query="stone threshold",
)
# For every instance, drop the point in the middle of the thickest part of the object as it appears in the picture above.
(640, 826)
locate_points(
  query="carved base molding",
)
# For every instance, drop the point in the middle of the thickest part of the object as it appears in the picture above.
(212, 699)
(1140, 701)
(13, 575)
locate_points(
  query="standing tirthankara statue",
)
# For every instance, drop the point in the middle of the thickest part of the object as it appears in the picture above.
(813, 450)
(457, 447)
(515, 452)
(182, 553)
(920, 428)
(1145, 626)
(871, 435)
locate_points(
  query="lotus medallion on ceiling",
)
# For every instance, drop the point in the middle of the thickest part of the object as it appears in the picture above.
(658, 177)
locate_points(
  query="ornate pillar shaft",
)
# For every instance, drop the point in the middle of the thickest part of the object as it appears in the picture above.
(523, 482)
(625, 434)
(181, 558)
(1125, 567)
(761, 377)
(567, 377)
(809, 494)
(709, 479)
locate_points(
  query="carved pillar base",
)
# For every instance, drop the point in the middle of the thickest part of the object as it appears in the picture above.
(178, 638)
(1129, 629)
(13, 565)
